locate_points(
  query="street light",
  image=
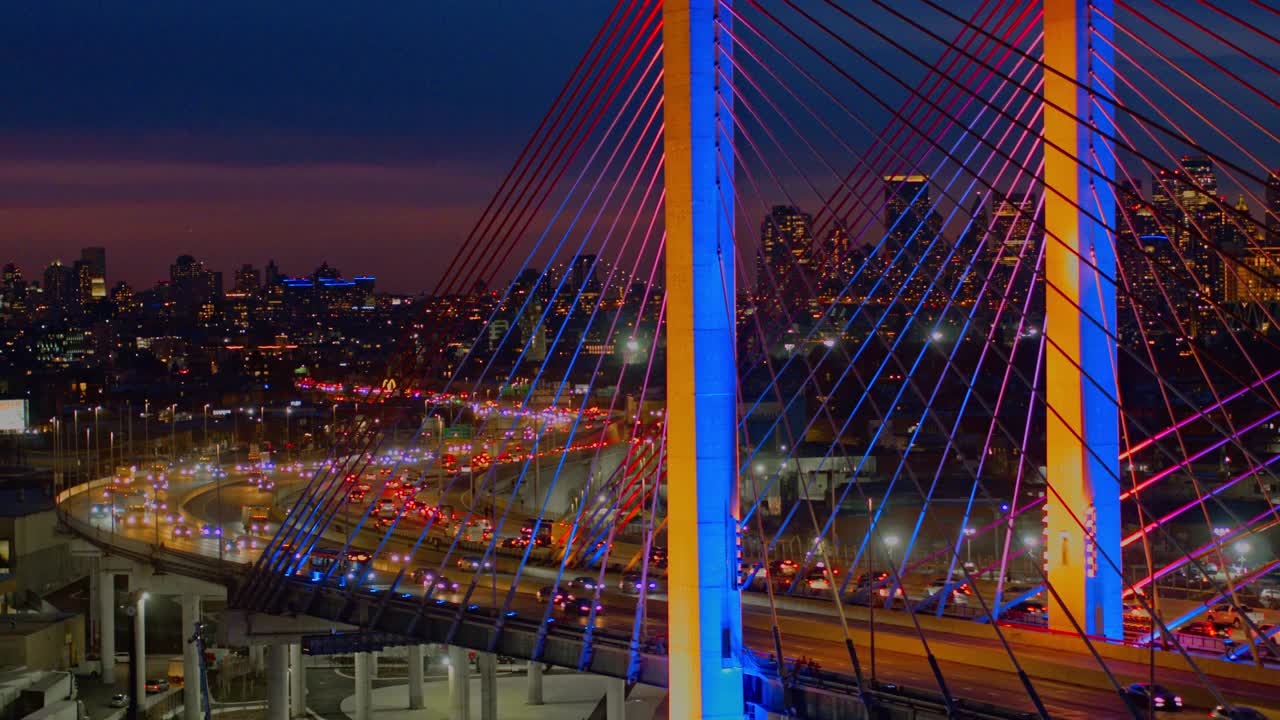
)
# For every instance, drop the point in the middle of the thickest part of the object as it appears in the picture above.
(97, 441)
(968, 544)
(206, 427)
(891, 542)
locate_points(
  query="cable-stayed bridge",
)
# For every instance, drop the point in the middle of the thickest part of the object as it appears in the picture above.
(919, 340)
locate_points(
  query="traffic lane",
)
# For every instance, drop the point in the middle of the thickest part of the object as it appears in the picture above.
(963, 681)
(618, 615)
(905, 669)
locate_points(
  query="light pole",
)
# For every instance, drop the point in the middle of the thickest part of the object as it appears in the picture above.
(75, 438)
(1032, 544)
(146, 428)
(57, 465)
(891, 542)
(97, 441)
(288, 431)
(206, 427)
(173, 432)
(968, 545)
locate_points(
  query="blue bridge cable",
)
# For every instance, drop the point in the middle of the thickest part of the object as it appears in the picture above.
(566, 197)
(776, 110)
(615, 53)
(527, 300)
(1103, 274)
(572, 86)
(942, 684)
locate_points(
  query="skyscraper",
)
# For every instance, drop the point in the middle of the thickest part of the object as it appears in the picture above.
(91, 274)
(785, 243)
(1272, 209)
(59, 284)
(194, 288)
(1014, 230)
(248, 279)
(906, 206)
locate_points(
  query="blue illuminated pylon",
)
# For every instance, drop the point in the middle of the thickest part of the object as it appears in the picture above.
(1082, 510)
(705, 612)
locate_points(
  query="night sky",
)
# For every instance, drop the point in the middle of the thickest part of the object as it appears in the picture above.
(240, 130)
(366, 135)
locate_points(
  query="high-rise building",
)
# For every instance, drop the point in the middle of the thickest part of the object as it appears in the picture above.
(907, 206)
(1272, 209)
(91, 274)
(59, 285)
(785, 243)
(96, 259)
(248, 279)
(1014, 230)
(194, 289)
(273, 275)
(582, 276)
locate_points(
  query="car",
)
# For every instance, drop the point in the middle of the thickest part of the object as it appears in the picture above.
(819, 579)
(864, 583)
(1267, 653)
(783, 568)
(549, 593)
(157, 685)
(1235, 712)
(1028, 610)
(579, 605)
(1204, 629)
(1145, 697)
(181, 531)
(1269, 597)
(514, 543)
(208, 530)
(119, 700)
(1228, 614)
(958, 594)
(421, 576)
(632, 583)
(444, 584)
(584, 583)
(473, 562)
(1133, 612)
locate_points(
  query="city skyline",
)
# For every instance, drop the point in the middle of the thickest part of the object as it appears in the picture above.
(109, 148)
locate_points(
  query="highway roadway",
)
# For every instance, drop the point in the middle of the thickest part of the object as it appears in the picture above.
(809, 627)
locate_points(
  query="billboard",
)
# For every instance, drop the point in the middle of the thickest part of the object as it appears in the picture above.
(13, 415)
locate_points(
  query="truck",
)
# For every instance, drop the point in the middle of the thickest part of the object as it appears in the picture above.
(256, 519)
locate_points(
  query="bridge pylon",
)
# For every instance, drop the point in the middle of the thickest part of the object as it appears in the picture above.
(704, 610)
(1082, 509)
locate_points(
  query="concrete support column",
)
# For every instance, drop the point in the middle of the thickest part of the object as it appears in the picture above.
(459, 695)
(616, 699)
(297, 682)
(191, 690)
(107, 625)
(416, 677)
(257, 658)
(95, 610)
(535, 683)
(277, 682)
(140, 647)
(488, 666)
(364, 687)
